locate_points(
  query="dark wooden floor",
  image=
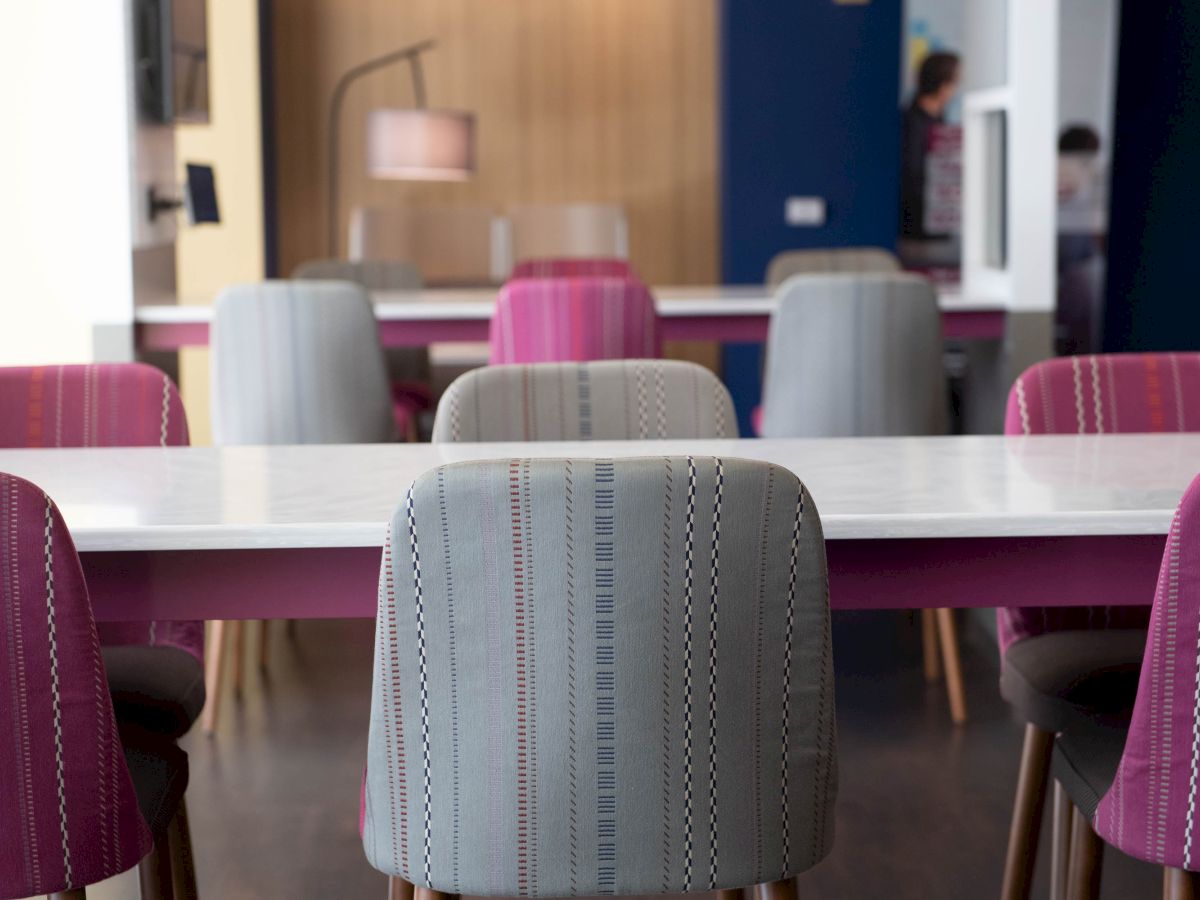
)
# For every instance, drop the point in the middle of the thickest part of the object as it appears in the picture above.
(922, 811)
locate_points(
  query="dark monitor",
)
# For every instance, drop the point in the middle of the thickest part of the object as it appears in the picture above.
(171, 60)
(201, 194)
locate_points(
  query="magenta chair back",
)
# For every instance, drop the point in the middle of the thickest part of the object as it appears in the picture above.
(108, 405)
(574, 320)
(1151, 810)
(1101, 394)
(573, 267)
(68, 812)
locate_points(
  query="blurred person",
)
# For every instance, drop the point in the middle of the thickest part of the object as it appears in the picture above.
(937, 83)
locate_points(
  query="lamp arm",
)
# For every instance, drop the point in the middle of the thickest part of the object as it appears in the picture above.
(413, 54)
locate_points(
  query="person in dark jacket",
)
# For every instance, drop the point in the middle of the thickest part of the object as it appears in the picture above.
(937, 82)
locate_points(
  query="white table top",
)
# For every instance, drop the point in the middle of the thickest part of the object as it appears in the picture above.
(478, 303)
(342, 496)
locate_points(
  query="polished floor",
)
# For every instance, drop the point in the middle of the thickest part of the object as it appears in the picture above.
(922, 811)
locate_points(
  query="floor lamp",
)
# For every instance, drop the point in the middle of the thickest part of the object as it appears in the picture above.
(417, 144)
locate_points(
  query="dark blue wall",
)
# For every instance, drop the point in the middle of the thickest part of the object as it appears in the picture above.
(1154, 231)
(809, 107)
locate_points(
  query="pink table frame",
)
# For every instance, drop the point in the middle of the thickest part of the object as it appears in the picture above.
(340, 582)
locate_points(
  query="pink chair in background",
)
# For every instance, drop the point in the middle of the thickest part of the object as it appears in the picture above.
(79, 802)
(573, 267)
(574, 320)
(1066, 665)
(156, 669)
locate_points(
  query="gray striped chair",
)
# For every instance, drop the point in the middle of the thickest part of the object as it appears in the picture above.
(851, 260)
(601, 677)
(606, 400)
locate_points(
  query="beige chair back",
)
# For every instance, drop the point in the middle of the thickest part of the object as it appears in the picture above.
(450, 245)
(545, 231)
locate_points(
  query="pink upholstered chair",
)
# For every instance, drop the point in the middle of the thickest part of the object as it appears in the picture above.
(574, 320)
(1064, 665)
(78, 801)
(1137, 788)
(116, 405)
(573, 267)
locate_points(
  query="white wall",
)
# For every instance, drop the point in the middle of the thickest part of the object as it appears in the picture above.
(1088, 72)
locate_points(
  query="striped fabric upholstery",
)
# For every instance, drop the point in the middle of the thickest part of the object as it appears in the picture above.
(854, 356)
(68, 813)
(608, 400)
(852, 260)
(1151, 810)
(373, 274)
(298, 362)
(601, 677)
(1115, 393)
(574, 319)
(573, 267)
(108, 405)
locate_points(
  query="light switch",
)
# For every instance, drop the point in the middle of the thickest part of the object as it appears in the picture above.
(804, 211)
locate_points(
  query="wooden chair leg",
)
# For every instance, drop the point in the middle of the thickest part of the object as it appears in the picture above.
(929, 646)
(730, 895)
(154, 872)
(776, 890)
(420, 893)
(183, 867)
(399, 889)
(264, 641)
(1060, 846)
(75, 894)
(1087, 859)
(1179, 884)
(950, 662)
(239, 655)
(1027, 813)
(214, 669)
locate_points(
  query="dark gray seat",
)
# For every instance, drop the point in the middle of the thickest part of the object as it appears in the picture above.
(1085, 762)
(159, 689)
(159, 770)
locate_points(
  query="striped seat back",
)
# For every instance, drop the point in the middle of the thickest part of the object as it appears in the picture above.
(68, 813)
(1151, 810)
(298, 362)
(1101, 394)
(851, 260)
(601, 677)
(108, 405)
(607, 400)
(574, 319)
(573, 267)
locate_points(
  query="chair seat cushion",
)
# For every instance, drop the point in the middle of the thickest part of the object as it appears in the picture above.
(1064, 678)
(1085, 762)
(159, 770)
(159, 689)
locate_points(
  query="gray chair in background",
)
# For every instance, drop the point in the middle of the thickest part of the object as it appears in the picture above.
(861, 356)
(861, 260)
(601, 677)
(609, 400)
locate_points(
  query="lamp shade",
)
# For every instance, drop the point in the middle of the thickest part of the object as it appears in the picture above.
(420, 144)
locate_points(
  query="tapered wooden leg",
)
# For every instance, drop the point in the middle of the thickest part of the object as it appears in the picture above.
(954, 682)
(729, 895)
(776, 890)
(398, 888)
(214, 669)
(264, 641)
(239, 655)
(420, 893)
(1179, 884)
(1087, 859)
(76, 894)
(183, 868)
(1027, 813)
(154, 872)
(929, 646)
(1060, 847)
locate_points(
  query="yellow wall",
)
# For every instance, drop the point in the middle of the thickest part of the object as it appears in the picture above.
(209, 257)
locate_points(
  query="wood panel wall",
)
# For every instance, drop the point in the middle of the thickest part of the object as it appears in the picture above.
(576, 100)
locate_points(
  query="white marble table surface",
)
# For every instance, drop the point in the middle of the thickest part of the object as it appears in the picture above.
(341, 496)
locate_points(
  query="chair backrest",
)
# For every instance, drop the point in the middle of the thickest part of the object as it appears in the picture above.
(608, 400)
(1115, 394)
(601, 677)
(68, 811)
(105, 405)
(854, 356)
(1119, 393)
(373, 274)
(298, 362)
(567, 267)
(568, 229)
(850, 260)
(574, 320)
(450, 245)
(1151, 811)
